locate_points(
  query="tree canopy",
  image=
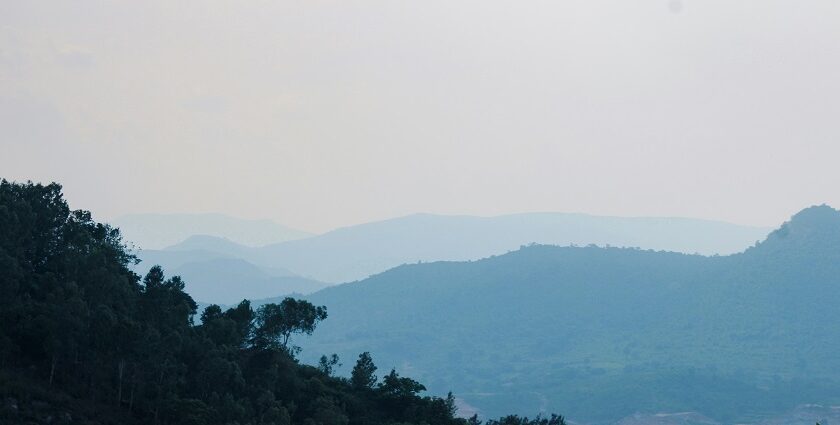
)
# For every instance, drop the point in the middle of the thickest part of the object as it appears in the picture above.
(276, 323)
(363, 376)
(84, 339)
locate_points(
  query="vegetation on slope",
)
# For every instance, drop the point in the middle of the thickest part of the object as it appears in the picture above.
(602, 333)
(85, 340)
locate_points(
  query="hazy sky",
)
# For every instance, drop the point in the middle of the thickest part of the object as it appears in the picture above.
(327, 113)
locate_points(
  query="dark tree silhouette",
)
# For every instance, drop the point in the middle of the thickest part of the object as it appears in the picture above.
(328, 364)
(276, 323)
(400, 387)
(363, 376)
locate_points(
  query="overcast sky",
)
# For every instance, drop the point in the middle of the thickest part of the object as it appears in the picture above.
(327, 113)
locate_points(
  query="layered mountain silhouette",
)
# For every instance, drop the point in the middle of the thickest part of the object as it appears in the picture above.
(357, 252)
(215, 271)
(156, 231)
(228, 280)
(603, 333)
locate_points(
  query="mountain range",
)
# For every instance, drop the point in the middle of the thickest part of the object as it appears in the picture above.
(215, 271)
(157, 231)
(356, 252)
(602, 333)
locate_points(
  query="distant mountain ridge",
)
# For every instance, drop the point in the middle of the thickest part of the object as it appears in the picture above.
(216, 271)
(210, 252)
(814, 229)
(228, 280)
(603, 333)
(356, 252)
(210, 243)
(156, 231)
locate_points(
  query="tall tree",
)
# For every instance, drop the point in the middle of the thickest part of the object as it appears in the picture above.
(276, 323)
(400, 387)
(362, 376)
(328, 364)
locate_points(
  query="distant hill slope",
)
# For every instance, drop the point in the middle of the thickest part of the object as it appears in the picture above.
(213, 277)
(210, 243)
(357, 252)
(215, 271)
(156, 231)
(230, 280)
(603, 333)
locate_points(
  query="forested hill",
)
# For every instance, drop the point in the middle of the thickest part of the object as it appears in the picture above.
(85, 341)
(356, 252)
(602, 333)
(217, 269)
(811, 236)
(598, 333)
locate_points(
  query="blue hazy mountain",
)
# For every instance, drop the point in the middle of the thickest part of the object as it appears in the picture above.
(230, 280)
(359, 251)
(216, 271)
(215, 244)
(356, 252)
(156, 231)
(220, 270)
(603, 333)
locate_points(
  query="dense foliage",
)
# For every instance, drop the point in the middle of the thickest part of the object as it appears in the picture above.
(85, 340)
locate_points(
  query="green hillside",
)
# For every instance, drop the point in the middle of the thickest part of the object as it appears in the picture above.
(601, 333)
(86, 341)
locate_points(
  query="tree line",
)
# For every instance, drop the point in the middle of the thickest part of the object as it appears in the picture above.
(84, 335)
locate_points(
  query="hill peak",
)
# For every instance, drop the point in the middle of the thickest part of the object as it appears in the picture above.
(815, 221)
(816, 214)
(814, 229)
(200, 240)
(156, 231)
